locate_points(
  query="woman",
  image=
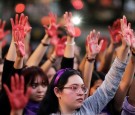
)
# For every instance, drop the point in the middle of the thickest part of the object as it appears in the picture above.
(38, 81)
(66, 93)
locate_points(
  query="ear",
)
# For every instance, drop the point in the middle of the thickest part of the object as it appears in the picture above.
(57, 92)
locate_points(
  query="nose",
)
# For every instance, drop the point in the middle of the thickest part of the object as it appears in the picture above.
(39, 89)
(80, 91)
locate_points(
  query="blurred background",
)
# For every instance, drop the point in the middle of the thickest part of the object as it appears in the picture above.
(87, 15)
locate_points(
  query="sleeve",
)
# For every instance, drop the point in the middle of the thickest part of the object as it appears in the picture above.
(106, 91)
(67, 62)
(7, 68)
(127, 109)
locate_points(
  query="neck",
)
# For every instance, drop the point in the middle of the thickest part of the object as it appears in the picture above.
(65, 110)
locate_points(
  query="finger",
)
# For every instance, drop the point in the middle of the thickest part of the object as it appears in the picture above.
(3, 24)
(129, 25)
(124, 20)
(16, 19)
(97, 37)
(22, 84)
(100, 44)
(13, 84)
(12, 23)
(7, 90)
(17, 81)
(25, 20)
(21, 18)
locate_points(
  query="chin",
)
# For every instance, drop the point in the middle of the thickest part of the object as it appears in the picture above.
(78, 105)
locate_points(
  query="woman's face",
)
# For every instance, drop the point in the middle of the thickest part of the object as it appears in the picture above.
(72, 98)
(39, 88)
(95, 86)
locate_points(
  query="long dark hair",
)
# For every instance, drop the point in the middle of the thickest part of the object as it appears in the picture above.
(50, 102)
(96, 76)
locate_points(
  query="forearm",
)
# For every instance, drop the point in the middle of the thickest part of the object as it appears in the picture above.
(38, 54)
(124, 84)
(47, 64)
(108, 88)
(88, 69)
(69, 50)
(106, 61)
(11, 55)
(18, 63)
(81, 65)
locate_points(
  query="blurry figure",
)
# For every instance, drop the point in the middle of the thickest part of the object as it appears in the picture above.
(51, 72)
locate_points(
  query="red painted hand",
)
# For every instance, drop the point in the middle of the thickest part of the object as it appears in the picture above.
(17, 98)
(52, 29)
(60, 47)
(69, 24)
(2, 32)
(126, 31)
(92, 43)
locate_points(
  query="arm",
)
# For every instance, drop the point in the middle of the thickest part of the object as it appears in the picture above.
(67, 61)
(124, 84)
(107, 90)
(115, 38)
(92, 49)
(51, 32)
(106, 60)
(38, 54)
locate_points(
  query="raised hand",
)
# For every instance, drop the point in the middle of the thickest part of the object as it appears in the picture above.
(114, 31)
(52, 29)
(92, 44)
(126, 31)
(2, 32)
(19, 43)
(60, 46)
(69, 24)
(17, 98)
(19, 24)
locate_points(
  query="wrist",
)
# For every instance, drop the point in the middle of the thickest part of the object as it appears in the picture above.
(90, 59)
(52, 59)
(16, 112)
(70, 43)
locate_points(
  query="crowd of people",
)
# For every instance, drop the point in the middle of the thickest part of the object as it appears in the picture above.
(72, 86)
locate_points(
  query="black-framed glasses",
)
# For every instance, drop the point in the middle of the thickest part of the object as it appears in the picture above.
(76, 88)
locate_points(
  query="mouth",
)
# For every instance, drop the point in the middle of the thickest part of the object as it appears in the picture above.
(80, 100)
(40, 96)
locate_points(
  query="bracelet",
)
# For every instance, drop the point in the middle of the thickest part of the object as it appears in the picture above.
(70, 43)
(44, 44)
(52, 59)
(90, 59)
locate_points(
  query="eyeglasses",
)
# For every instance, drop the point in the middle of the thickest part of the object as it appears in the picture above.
(76, 88)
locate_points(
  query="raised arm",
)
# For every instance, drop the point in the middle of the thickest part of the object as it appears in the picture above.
(128, 75)
(92, 49)
(107, 90)
(115, 39)
(51, 32)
